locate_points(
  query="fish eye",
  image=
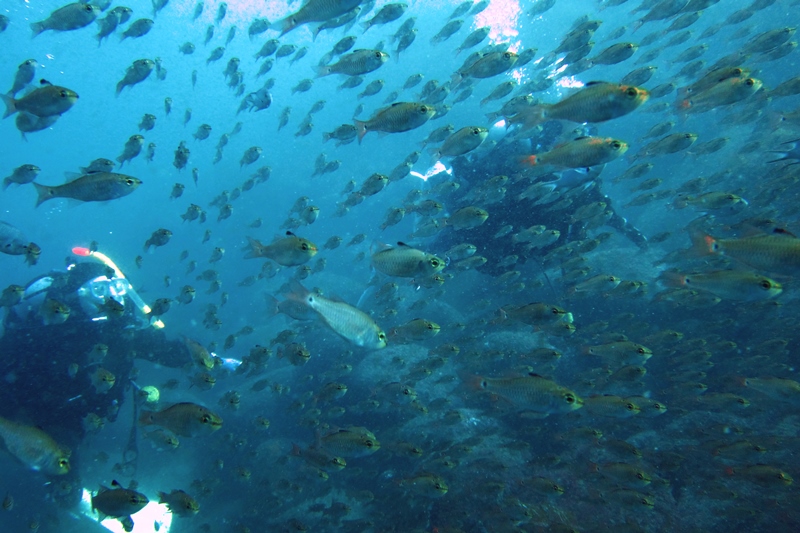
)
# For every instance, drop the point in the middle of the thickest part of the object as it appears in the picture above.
(64, 94)
(378, 55)
(645, 501)
(423, 109)
(629, 45)
(631, 91)
(630, 407)
(750, 82)
(476, 131)
(555, 310)
(570, 398)
(657, 406)
(206, 419)
(556, 488)
(737, 72)
(616, 145)
(429, 326)
(304, 246)
(129, 181)
(766, 284)
(639, 476)
(369, 444)
(438, 486)
(507, 55)
(88, 7)
(434, 262)
(63, 463)
(641, 351)
(741, 401)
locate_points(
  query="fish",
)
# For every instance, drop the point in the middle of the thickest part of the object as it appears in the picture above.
(777, 252)
(355, 63)
(347, 321)
(727, 284)
(179, 503)
(199, 354)
(351, 442)
(398, 117)
(160, 237)
(582, 152)
(596, 102)
(531, 392)
(319, 458)
(54, 312)
(117, 502)
(34, 448)
(406, 262)
(139, 71)
(102, 380)
(94, 187)
(288, 251)
(138, 28)
(71, 17)
(316, 11)
(48, 100)
(461, 142)
(26, 71)
(183, 419)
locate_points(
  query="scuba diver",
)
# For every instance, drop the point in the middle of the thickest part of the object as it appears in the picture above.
(584, 186)
(69, 348)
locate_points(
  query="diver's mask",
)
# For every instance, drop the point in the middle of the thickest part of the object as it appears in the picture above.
(94, 293)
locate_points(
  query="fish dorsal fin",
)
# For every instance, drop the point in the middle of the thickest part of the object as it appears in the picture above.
(535, 375)
(595, 83)
(69, 177)
(581, 137)
(402, 244)
(290, 234)
(44, 83)
(116, 484)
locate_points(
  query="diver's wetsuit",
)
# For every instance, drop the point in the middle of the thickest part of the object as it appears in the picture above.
(37, 388)
(521, 214)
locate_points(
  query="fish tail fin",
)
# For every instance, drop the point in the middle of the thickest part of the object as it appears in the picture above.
(254, 249)
(326, 137)
(11, 107)
(44, 193)
(272, 306)
(529, 160)
(6, 183)
(361, 126)
(37, 27)
(162, 496)
(120, 86)
(296, 451)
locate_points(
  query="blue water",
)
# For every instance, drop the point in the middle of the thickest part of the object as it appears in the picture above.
(244, 477)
